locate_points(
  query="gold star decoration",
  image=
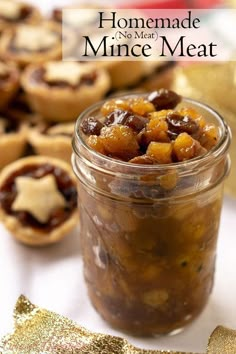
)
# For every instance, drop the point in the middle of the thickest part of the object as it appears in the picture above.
(39, 197)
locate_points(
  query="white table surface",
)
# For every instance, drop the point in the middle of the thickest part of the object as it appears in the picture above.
(52, 278)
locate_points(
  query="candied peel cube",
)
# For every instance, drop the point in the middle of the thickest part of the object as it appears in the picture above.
(161, 152)
(119, 140)
(184, 147)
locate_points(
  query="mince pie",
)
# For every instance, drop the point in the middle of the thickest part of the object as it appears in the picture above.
(54, 140)
(60, 91)
(12, 140)
(14, 12)
(38, 200)
(32, 43)
(9, 82)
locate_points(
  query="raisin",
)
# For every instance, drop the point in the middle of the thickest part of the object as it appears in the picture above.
(164, 99)
(91, 126)
(119, 116)
(181, 124)
(137, 123)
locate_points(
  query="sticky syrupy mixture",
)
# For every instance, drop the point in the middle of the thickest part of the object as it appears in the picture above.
(38, 76)
(150, 130)
(65, 185)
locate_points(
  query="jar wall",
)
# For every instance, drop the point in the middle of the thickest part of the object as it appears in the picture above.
(149, 267)
(149, 232)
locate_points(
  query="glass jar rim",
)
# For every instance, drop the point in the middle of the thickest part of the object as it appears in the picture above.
(218, 150)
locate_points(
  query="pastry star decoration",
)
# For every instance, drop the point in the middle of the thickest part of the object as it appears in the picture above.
(39, 197)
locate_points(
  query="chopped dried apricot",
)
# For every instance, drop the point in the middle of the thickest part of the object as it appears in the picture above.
(184, 147)
(161, 152)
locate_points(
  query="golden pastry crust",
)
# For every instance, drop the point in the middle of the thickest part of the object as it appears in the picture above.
(12, 146)
(27, 234)
(58, 104)
(123, 73)
(29, 56)
(158, 75)
(53, 143)
(9, 82)
(33, 17)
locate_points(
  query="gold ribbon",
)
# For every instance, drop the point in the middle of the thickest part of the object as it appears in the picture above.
(38, 331)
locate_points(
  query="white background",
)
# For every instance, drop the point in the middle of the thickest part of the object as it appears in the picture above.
(52, 278)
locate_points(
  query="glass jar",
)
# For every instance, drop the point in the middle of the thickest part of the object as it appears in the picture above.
(149, 232)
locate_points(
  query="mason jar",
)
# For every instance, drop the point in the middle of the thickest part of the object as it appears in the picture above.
(149, 232)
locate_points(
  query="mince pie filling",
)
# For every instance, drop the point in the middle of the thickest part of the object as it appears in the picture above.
(64, 184)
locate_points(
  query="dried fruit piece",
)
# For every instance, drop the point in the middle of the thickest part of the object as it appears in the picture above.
(157, 130)
(96, 144)
(120, 141)
(161, 152)
(91, 126)
(184, 147)
(119, 116)
(112, 105)
(143, 160)
(160, 114)
(178, 124)
(164, 99)
(191, 112)
(209, 136)
(141, 106)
